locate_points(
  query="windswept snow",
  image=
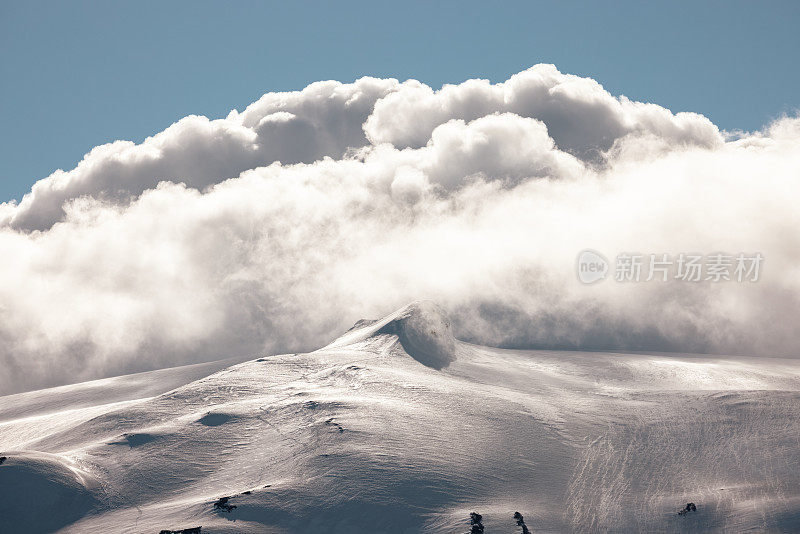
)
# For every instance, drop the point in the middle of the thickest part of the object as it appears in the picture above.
(422, 328)
(395, 427)
(42, 492)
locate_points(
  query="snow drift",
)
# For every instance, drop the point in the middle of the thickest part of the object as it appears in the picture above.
(422, 328)
(41, 492)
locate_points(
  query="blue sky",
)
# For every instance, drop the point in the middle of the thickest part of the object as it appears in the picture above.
(79, 74)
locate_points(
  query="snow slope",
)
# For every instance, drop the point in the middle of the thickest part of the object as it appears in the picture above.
(397, 427)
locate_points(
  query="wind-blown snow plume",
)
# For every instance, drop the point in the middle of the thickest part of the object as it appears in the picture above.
(276, 228)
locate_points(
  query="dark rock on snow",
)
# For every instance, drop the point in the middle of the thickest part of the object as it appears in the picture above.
(222, 504)
(521, 523)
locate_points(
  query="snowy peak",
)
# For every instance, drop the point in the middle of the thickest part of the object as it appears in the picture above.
(422, 327)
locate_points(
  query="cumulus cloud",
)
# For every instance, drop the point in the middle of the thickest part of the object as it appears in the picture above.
(582, 117)
(324, 119)
(277, 228)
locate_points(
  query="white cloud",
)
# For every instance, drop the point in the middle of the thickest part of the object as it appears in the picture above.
(478, 196)
(580, 115)
(324, 119)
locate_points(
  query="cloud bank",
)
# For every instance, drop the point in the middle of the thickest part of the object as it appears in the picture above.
(276, 228)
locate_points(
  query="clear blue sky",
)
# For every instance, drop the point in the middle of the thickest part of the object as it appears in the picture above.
(77, 74)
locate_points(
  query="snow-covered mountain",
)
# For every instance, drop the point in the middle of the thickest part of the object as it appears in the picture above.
(397, 427)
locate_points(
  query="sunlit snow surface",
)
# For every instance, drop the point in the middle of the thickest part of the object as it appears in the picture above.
(362, 436)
